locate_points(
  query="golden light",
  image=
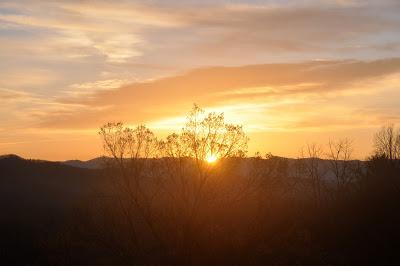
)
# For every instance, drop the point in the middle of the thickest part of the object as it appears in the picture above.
(211, 158)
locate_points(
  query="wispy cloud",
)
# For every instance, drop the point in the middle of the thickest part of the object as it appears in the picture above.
(284, 95)
(90, 88)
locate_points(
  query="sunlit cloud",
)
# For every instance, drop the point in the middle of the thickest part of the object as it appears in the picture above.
(264, 97)
(7, 95)
(119, 48)
(90, 88)
(27, 78)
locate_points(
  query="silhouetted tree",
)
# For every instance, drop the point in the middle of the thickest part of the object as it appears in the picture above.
(175, 190)
(387, 142)
(129, 149)
(185, 156)
(311, 167)
(339, 156)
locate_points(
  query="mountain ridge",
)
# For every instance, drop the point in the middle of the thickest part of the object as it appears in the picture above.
(99, 162)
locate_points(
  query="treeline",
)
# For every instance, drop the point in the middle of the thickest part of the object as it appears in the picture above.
(168, 202)
(170, 205)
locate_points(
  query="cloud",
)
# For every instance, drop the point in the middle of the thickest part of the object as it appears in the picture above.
(89, 88)
(27, 79)
(111, 30)
(249, 28)
(83, 63)
(7, 95)
(193, 34)
(284, 95)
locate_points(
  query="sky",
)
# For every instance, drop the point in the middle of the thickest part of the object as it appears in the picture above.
(291, 72)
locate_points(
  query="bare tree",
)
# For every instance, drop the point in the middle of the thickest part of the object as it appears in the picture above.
(179, 178)
(387, 142)
(339, 155)
(209, 135)
(310, 165)
(204, 137)
(130, 150)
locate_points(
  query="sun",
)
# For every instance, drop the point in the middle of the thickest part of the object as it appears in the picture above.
(211, 158)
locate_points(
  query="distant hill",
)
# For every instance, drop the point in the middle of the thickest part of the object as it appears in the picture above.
(96, 163)
(14, 166)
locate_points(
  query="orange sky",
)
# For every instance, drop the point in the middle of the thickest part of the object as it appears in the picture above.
(67, 67)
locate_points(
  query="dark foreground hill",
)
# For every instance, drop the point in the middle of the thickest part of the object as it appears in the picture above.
(53, 213)
(42, 183)
(36, 199)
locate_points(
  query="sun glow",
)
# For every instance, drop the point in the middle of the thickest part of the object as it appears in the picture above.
(211, 158)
